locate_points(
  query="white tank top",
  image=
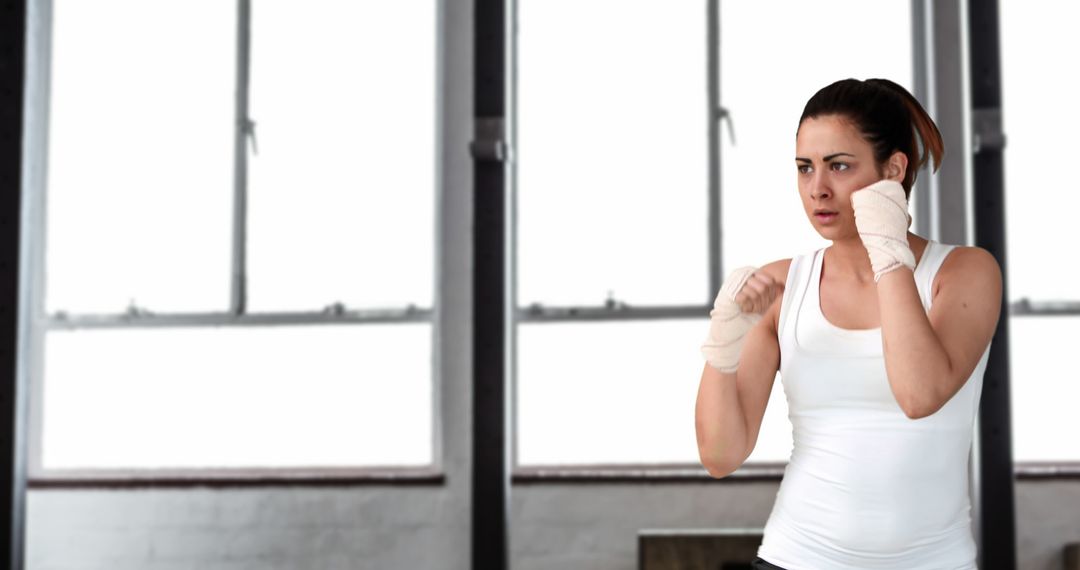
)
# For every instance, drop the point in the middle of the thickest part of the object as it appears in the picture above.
(866, 487)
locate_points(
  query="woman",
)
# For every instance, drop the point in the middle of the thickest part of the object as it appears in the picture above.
(881, 340)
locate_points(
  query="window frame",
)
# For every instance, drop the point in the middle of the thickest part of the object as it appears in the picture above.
(36, 133)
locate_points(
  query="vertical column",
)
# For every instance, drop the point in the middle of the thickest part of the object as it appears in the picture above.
(715, 113)
(12, 380)
(491, 310)
(244, 129)
(942, 208)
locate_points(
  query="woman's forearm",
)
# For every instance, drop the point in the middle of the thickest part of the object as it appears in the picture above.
(720, 422)
(915, 359)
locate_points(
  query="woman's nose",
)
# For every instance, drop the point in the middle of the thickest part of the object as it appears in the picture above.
(818, 189)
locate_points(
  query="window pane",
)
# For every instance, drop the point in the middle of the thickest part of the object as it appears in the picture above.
(288, 396)
(612, 135)
(343, 186)
(620, 392)
(140, 159)
(1040, 131)
(768, 72)
(1045, 389)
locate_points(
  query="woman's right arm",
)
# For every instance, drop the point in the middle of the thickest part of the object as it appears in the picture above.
(730, 406)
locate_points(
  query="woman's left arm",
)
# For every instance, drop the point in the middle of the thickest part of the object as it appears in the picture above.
(929, 356)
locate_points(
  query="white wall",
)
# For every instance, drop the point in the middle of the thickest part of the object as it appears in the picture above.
(583, 526)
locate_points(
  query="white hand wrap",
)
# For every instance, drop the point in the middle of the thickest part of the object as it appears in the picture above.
(728, 325)
(882, 220)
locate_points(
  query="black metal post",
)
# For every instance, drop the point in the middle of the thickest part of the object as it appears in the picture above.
(490, 464)
(12, 393)
(998, 526)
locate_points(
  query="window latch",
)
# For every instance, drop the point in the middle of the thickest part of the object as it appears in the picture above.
(724, 114)
(249, 132)
(986, 129)
(490, 142)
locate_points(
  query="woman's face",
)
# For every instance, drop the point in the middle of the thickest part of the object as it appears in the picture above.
(832, 161)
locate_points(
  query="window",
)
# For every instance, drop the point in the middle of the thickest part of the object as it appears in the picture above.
(612, 186)
(613, 183)
(1038, 89)
(238, 397)
(224, 285)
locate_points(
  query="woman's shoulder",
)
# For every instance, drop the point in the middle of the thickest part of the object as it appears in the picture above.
(962, 259)
(963, 263)
(778, 270)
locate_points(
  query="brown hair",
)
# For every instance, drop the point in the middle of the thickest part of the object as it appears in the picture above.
(888, 116)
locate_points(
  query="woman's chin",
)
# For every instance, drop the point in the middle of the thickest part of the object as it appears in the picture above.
(832, 231)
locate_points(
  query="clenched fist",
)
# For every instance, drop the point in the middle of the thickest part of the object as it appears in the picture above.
(745, 296)
(758, 293)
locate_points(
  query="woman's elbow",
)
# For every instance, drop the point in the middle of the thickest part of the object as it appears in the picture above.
(719, 469)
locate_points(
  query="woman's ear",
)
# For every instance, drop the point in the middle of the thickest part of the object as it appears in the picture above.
(896, 167)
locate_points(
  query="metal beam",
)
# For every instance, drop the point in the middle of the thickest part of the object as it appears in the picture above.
(492, 297)
(13, 316)
(332, 314)
(715, 113)
(941, 203)
(243, 129)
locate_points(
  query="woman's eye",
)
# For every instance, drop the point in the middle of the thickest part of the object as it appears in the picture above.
(845, 166)
(803, 168)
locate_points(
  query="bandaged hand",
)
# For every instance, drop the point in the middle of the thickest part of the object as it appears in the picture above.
(728, 323)
(882, 220)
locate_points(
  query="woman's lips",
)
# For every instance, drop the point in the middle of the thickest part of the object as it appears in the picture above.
(826, 218)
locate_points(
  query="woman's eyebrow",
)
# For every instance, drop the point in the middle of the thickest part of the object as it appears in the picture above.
(829, 157)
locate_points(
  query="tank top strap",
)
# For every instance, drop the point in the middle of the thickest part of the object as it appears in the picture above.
(929, 264)
(798, 278)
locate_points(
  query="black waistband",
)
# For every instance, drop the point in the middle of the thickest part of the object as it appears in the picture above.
(760, 563)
